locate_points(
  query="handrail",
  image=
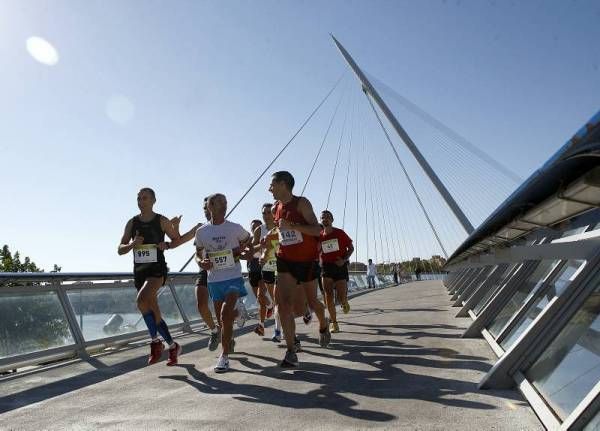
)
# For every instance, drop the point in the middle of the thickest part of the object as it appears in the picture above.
(54, 283)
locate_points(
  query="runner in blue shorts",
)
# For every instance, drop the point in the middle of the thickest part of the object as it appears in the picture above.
(219, 244)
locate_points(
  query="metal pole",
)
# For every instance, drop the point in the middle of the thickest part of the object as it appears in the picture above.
(367, 87)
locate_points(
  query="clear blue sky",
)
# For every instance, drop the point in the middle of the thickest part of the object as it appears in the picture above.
(218, 87)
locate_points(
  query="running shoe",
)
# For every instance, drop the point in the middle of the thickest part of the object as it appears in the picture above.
(324, 336)
(290, 360)
(270, 312)
(231, 345)
(346, 307)
(259, 330)
(215, 338)
(156, 350)
(335, 328)
(307, 317)
(222, 364)
(297, 346)
(174, 352)
(276, 338)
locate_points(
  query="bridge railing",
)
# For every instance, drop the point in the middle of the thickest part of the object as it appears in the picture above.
(50, 316)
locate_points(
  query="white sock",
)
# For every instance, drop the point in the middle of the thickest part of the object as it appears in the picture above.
(277, 321)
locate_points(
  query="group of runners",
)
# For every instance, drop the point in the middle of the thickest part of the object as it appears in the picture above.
(288, 254)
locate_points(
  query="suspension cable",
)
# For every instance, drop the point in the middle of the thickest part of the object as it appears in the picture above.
(277, 156)
(337, 158)
(412, 186)
(312, 168)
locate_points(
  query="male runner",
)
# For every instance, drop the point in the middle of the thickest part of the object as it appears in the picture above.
(145, 235)
(296, 260)
(219, 245)
(202, 298)
(255, 277)
(336, 249)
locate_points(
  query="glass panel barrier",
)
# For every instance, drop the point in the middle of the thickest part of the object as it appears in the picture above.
(110, 311)
(522, 295)
(510, 272)
(570, 366)
(561, 281)
(594, 424)
(32, 322)
(186, 294)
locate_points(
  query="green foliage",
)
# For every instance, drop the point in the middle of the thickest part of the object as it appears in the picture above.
(29, 322)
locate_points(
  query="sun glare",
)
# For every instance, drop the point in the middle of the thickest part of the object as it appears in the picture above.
(41, 50)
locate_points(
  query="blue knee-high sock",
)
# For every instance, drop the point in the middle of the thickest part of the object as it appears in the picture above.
(150, 323)
(163, 329)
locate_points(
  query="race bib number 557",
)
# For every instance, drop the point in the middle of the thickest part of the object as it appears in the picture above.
(222, 259)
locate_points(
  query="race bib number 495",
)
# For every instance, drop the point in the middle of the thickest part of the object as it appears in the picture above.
(330, 245)
(222, 259)
(289, 237)
(145, 253)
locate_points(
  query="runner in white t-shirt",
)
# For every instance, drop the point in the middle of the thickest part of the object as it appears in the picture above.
(218, 246)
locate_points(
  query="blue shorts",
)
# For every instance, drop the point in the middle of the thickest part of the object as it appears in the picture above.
(220, 289)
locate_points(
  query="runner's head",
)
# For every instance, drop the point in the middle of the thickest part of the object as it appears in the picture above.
(282, 183)
(205, 207)
(326, 218)
(370, 261)
(217, 205)
(267, 213)
(254, 224)
(146, 199)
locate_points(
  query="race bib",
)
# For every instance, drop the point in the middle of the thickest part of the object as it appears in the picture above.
(289, 237)
(271, 265)
(222, 259)
(330, 245)
(145, 253)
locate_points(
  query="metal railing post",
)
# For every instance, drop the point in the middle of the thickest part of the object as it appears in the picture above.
(71, 318)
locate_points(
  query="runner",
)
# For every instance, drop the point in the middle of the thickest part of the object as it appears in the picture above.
(145, 235)
(265, 242)
(219, 245)
(336, 249)
(202, 298)
(255, 276)
(296, 260)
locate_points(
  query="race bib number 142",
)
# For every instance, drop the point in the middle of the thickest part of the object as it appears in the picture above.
(289, 237)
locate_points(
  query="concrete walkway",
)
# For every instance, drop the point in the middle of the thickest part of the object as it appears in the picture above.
(399, 363)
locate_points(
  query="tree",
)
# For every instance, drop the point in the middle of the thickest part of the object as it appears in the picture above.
(29, 322)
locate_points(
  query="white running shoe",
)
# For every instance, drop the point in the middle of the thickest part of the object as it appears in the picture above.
(222, 364)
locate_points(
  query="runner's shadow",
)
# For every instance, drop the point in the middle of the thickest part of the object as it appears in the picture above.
(321, 397)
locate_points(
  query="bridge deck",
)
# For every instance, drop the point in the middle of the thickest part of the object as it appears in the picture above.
(398, 364)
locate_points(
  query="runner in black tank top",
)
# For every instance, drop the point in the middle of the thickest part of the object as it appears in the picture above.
(144, 235)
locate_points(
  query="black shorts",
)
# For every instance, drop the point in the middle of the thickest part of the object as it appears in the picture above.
(301, 271)
(202, 278)
(337, 273)
(254, 278)
(146, 270)
(268, 277)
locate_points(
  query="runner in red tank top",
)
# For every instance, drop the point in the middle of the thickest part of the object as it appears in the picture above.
(297, 265)
(336, 249)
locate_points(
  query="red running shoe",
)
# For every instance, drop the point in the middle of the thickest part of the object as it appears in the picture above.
(174, 352)
(156, 350)
(259, 330)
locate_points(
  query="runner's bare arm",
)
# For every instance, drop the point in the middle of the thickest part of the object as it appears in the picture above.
(311, 227)
(203, 262)
(126, 244)
(182, 239)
